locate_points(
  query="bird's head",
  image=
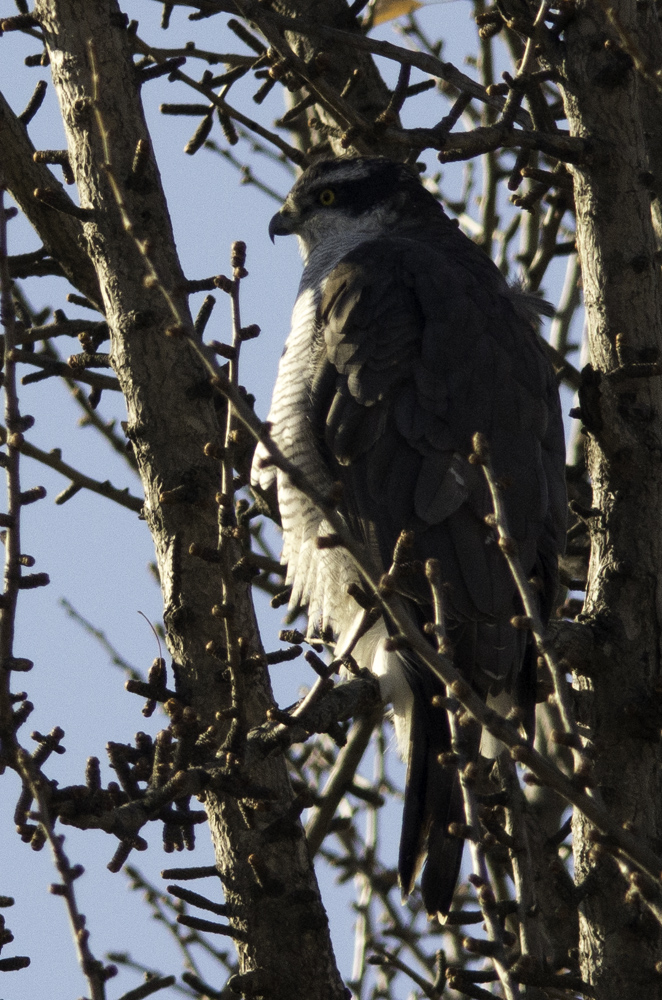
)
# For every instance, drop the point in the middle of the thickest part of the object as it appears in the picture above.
(349, 200)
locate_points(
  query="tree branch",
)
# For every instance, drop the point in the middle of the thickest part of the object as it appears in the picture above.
(60, 235)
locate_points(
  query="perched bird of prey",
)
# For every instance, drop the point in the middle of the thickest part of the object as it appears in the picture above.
(405, 341)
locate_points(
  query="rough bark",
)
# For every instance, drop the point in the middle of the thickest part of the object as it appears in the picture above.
(650, 98)
(619, 945)
(274, 901)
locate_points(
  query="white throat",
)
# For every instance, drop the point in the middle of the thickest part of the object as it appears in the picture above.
(323, 256)
(327, 238)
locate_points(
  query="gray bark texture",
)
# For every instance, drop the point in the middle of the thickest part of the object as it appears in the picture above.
(269, 882)
(607, 103)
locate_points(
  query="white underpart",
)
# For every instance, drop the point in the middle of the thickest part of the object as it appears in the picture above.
(320, 577)
(370, 651)
(328, 236)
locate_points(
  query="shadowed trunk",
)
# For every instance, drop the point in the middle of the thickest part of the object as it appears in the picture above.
(621, 409)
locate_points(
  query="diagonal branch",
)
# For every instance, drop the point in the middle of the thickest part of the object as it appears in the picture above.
(78, 479)
(570, 735)
(61, 234)
(340, 779)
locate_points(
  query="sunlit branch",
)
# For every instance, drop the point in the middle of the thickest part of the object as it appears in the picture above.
(78, 479)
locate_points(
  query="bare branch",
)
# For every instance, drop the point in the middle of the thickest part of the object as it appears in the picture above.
(340, 779)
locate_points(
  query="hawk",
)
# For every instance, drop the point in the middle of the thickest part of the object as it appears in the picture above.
(405, 341)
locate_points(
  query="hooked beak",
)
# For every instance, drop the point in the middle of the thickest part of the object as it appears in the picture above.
(282, 224)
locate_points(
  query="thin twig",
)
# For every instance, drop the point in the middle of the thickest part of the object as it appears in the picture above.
(246, 174)
(340, 779)
(531, 608)
(12, 569)
(53, 459)
(92, 968)
(63, 328)
(388, 958)
(227, 517)
(569, 302)
(290, 151)
(50, 367)
(116, 658)
(190, 51)
(520, 858)
(165, 911)
(484, 890)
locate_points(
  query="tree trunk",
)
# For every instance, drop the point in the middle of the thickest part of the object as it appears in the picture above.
(268, 879)
(621, 407)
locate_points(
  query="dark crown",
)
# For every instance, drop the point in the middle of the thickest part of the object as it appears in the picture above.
(363, 183)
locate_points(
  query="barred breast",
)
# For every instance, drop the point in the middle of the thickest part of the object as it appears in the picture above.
(319, 577)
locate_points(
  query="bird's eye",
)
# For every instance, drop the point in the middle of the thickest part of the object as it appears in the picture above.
(327, 197)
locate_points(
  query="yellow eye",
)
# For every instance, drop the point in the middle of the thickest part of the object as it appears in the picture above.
(327, 197)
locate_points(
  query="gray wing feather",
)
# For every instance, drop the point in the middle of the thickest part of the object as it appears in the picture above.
(423, 353)
(420, 346)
